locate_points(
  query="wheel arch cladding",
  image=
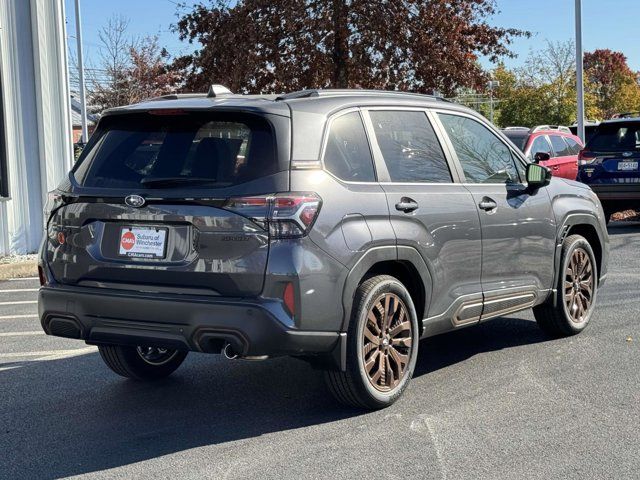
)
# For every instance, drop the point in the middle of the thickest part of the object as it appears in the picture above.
(405, 264)
(590, 233)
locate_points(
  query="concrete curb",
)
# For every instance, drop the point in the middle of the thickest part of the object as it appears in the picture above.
(18, 270)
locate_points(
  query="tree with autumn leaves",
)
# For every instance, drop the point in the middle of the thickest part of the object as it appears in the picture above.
(258, 46)
(543, 91)
(614, 86)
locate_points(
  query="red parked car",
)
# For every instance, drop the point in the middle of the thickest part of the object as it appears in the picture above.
(552, 146)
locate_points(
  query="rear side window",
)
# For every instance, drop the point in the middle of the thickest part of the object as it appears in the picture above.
(616, 137)
(347, 154)
(151, 151)
(519, 139)
(410, 148)
(560, 147)
(574, 147)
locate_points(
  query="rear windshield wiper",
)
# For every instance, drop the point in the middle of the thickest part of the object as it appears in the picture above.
(168, 181)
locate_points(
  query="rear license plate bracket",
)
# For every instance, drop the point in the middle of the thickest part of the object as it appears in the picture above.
(143, 242)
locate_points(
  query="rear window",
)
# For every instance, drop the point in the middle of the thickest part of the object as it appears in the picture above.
(574, 146)
(190, 150)
(519, 139)
(617, 137)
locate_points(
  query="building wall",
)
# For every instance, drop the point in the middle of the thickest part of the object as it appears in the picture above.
(37, 116)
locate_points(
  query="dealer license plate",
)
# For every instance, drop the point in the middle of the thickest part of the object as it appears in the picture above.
(143, 242)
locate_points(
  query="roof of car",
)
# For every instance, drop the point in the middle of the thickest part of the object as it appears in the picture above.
(311, 101)
(621, 120)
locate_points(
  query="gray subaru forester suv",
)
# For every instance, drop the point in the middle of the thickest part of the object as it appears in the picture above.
(337, 226)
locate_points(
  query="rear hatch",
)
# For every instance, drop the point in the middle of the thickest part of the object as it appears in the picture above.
(612, 155)
(147, 205)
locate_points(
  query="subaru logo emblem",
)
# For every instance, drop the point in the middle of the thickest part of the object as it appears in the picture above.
(627, 154)
(135, 201)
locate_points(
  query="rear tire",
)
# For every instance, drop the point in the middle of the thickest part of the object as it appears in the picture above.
(381, 349)
(141, 363)
(577, 289)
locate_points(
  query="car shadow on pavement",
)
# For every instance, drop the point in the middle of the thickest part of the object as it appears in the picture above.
(458, 346)
(73, 416)
(622, 228)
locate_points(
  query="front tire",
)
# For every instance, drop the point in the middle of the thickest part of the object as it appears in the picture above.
(577, 291)
(382, 346)
(141, 363)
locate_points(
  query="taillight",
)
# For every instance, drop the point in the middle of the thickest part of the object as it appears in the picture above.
(585, 157)
(286, 215)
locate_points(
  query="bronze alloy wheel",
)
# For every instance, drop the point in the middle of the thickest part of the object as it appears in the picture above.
(387, 342)
(156, 356)
(578, 285)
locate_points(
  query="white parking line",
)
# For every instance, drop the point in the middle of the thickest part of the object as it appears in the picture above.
(21, 279)
(17, 317)
(2, 369)
(19, 290)
(50, 354)
(22, 334)
(25, 302)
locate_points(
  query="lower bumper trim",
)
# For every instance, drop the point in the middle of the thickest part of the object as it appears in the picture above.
(100, 316)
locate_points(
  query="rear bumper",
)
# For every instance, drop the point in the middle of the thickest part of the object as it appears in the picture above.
(616, 191)
(105, 316)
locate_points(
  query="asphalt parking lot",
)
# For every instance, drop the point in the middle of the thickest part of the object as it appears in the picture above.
(495, 401)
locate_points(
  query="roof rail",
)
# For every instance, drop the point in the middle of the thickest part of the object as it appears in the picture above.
(560, 128)
(330, 92)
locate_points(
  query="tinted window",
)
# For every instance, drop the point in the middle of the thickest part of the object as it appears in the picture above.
(616, 137)
(348, 155)
(483, 156)
(574, 147)
(540, 145)
(560, 147)
(192, 150)
(518, 138)
(410, 148)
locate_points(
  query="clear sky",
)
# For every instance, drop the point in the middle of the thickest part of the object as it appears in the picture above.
(609, 24)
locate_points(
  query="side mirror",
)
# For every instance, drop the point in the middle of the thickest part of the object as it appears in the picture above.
(541, 157)
(537, 175)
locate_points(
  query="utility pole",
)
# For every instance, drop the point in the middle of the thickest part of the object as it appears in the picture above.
(492, 85)
(579, 70)
(83, 98)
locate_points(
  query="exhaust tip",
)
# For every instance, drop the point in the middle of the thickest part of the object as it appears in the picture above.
(229, 352)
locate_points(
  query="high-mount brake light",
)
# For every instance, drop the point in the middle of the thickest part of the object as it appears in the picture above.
(286, 215)
(167, 111)
(585, 157)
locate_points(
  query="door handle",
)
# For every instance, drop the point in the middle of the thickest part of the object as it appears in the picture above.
(406, 205)
(488, 204)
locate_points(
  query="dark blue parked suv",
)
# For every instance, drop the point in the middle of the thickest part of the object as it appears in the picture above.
(609, 164)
